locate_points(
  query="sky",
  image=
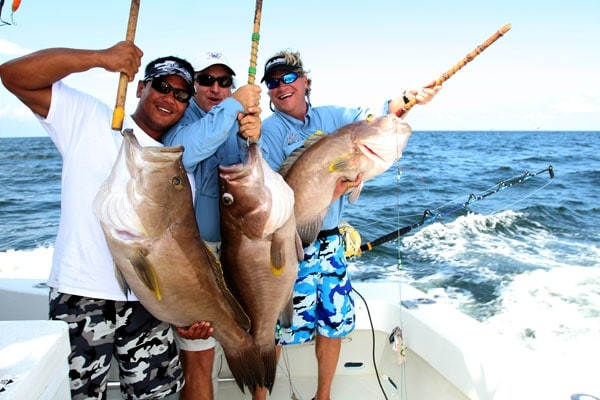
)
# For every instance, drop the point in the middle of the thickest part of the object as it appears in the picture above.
(544, 73)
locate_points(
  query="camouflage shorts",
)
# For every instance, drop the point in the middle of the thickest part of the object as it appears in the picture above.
(99, 330)
(323, 300)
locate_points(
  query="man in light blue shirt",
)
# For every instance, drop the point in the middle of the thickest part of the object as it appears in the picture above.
(323, 305)
(215, 130)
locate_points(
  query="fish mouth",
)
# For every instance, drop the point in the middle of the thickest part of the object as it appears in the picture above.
(252, 154)
(366, 150)
(121, 219)
(388, 146)
(240, 170)
(127, 235)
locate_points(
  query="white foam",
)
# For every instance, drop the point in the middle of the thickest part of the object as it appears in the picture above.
(34, 263)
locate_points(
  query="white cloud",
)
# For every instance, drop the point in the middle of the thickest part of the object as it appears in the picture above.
(17, 112)
(12, 49)
(578, 104)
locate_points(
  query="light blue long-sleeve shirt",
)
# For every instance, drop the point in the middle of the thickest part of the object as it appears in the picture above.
(209, 139)
(281, 134)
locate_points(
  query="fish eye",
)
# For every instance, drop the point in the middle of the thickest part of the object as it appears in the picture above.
(177, 182)
(227, 199)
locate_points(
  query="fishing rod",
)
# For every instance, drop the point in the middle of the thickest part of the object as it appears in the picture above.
(255, 41)
(464, 61)
(119, 110)
(433, 216)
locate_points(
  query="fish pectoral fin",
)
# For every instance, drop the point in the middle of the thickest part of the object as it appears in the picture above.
(354, 193)
(345, 162)
(278, 246)
(146, 272)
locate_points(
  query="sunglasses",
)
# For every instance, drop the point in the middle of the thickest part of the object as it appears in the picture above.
(288, 78)
(164, 87)
(209, 80)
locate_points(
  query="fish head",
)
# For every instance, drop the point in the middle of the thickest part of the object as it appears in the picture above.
(146, 188)
(381, 141)
(159, 187)
(253, 196)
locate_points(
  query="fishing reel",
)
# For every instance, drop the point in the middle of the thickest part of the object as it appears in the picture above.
(351, 239)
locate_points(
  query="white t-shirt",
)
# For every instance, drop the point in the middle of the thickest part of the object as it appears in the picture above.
(80, 127)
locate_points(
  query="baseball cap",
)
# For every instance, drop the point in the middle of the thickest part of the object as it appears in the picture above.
(279, 62)
(208, 59)
(170, 66)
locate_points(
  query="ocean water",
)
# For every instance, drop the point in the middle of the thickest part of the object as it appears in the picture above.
(521, 255)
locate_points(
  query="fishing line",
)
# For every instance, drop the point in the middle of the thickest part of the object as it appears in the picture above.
(438, 214)
(402, 349)
(429, 216)
(287, 371)
(510, 205)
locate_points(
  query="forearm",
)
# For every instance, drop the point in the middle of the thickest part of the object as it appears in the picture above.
(420, 96)
(41, 69)
(201, 138)
(30, 77)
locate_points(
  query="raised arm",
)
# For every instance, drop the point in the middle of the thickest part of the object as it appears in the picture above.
(423, 96)
(30, 77)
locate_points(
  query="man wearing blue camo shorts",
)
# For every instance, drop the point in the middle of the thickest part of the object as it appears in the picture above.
(322, 300)
(323, 303)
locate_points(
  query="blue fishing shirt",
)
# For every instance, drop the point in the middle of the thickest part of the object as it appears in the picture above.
(281, 134)
(209, 139)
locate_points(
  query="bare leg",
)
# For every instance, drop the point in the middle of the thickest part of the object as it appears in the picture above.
(197, 369)
(328, 353)
(261, 392)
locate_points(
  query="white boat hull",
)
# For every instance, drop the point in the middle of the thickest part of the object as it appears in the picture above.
(448, 354)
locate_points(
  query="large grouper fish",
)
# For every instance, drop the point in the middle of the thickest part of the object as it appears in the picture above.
(260, 248)
(368, 147)
(146, 211)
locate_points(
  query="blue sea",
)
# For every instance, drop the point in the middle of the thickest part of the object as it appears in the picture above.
(505, 241)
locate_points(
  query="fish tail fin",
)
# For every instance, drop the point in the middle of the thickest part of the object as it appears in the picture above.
(269, 359)
(246, 367)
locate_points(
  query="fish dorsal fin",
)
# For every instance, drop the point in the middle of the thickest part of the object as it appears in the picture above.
(294, 155)
(242, 318)
(309, 231)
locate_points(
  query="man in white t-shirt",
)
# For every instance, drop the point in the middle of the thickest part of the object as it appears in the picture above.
(103, 321)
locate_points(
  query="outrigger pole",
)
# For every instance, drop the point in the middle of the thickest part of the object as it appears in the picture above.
(433, 216)
(468, 58)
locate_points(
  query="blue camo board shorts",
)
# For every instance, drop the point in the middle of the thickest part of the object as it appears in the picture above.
(99, 330)
(323, 300)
